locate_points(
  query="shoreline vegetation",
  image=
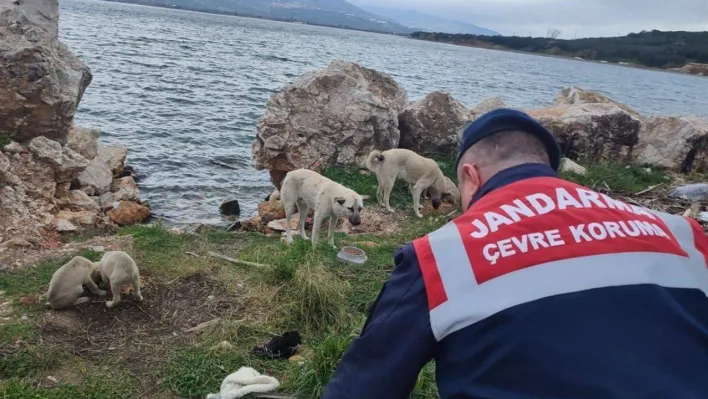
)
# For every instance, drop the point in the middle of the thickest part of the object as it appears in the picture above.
(656, 50)
(202, 316)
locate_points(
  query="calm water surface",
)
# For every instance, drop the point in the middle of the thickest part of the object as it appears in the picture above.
(184, 90)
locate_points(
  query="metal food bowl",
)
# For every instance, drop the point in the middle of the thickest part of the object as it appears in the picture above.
(352, 255)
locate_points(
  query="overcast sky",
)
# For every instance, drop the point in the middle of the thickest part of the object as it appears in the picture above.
(586, 17)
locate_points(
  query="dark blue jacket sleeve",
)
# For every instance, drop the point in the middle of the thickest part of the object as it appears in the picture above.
(395, 344)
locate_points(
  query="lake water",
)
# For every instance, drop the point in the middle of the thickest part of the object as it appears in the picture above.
(184, 90)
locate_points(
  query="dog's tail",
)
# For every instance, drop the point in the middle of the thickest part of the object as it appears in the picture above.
(376, 158)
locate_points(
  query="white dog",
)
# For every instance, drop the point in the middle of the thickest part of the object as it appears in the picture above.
(419, 172)
(67, 285)
(307, 189)
(119, 269)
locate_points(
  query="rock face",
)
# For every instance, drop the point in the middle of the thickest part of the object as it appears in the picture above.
(113, 156)
(576, 96)
(433, 124)
(42, 81)
(96, 178)
(486, 106)
(678, 143)
(569, 166)
(592, 131)
(67, 164)
(334, 116)
(84, 141)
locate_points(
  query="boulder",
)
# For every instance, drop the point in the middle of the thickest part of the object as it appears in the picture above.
(35, 177)
(269, 211)
(678, 143)
(433, 124)
(96, 178)
(42, 81)
(230, 208)
(592, 132)
(84, 141)
(67, 163)
(575, 95)
(129, 213)
(486, 106)
(15, 148)
(77, 200)
(113, 157)
(125, 189)
(691, 192)
(64, 226)
(84, 218)
(334, 116)
(569, 166)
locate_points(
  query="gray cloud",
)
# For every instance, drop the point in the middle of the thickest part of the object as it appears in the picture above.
(582, 17)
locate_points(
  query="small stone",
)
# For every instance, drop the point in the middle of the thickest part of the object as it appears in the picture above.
(210, 297)
(52, 379)
(28, 300)
(568, 165)
(15, 148)
(24, 317)
(177, 231)
(129, 213)
(692, 192)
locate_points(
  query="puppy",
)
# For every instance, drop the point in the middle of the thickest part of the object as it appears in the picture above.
(419, 172)
(66, 287)
(451, 194)
(310, 190)
(119, 269)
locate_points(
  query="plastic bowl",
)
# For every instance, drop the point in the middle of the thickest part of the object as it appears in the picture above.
(352, 255)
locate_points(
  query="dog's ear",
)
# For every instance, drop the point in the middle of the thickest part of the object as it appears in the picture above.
(340, 200)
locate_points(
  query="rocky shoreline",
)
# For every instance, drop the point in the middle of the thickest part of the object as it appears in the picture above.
(58, 178)
(55, 177)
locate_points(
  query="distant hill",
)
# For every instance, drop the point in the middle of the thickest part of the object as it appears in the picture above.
(336, 13)
(425, 22)
(648, 48)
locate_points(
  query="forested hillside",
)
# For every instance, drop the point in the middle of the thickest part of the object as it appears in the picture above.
(650, 48)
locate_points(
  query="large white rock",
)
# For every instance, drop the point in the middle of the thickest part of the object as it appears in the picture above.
(67, 163)
(84, 141)
(41, 81)
(575, 95)
(486, 106)
(96, 178)
(113, 156)
(433, 124)
(678, 143)
(592, 132)
(334, 116)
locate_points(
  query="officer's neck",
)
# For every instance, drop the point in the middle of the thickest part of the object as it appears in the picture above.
(512, 175)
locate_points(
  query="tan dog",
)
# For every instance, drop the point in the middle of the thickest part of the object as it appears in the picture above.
(67, 285)
(419, 172)
(119, 269)
(310, 190)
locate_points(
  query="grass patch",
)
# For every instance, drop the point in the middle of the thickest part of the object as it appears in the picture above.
(26, 362)
(196, 372)
(10, 333)
(619, 178)
(98, 385)
(317, 298)
(93, 256)
(4, 140)
(29, 281)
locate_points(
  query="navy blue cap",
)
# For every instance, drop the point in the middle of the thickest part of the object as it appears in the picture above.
(503, 120)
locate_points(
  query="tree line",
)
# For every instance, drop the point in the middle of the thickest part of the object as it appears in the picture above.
(649, 48)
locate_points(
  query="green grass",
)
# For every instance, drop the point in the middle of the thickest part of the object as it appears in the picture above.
(4, 140)
(619, 178)
(30, 281)
(10, 333)
(98, 384)
(196, 372)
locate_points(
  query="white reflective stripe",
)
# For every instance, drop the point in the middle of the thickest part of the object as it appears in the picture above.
(682, 230)
(561, 277)
(453, 263)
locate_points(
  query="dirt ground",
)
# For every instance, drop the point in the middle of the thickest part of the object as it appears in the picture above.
(136, 335)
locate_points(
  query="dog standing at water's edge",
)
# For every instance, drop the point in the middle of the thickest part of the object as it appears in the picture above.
(307, 189)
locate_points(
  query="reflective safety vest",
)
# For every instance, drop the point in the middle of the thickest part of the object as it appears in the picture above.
(544, 237)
